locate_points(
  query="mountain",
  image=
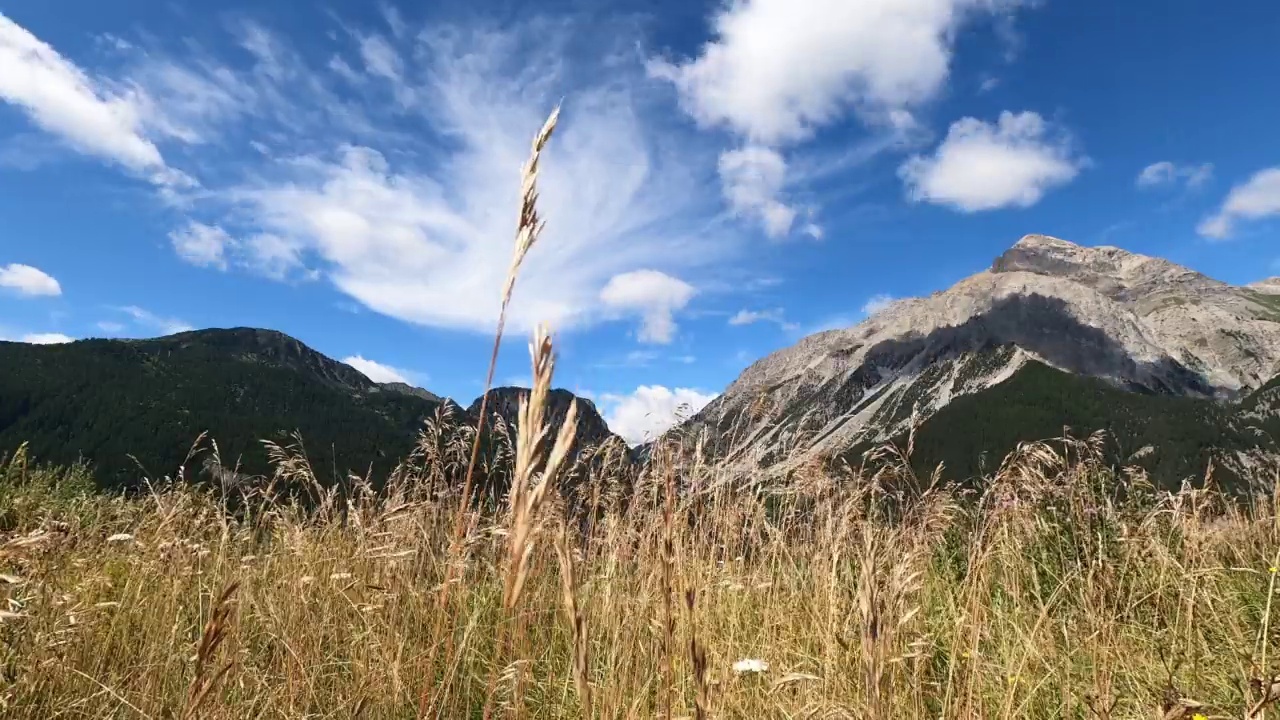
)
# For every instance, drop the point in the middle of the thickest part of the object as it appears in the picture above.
(123, 405)
(1047, 316)
(505, 401)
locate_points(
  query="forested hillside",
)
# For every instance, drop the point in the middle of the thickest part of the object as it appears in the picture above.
(133, 408)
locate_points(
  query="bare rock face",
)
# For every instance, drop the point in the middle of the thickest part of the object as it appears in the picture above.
(1270, 286)
(1142, 323)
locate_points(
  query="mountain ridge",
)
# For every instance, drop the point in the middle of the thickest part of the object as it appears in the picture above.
(123, 403)
(1139, 323)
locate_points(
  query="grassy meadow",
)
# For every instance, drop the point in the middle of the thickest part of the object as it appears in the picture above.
(1039, 596)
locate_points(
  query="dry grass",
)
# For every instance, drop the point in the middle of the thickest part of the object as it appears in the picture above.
(1041, 597)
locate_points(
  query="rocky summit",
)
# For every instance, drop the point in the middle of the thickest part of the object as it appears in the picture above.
(1138, 324)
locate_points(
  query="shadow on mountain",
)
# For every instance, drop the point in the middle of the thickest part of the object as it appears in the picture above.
(1036, 323)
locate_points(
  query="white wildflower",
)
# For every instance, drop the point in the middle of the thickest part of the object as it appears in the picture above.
(750, 665)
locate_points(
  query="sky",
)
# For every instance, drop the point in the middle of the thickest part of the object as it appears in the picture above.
(726, 178)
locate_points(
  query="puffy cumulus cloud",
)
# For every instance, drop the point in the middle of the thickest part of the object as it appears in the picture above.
(1256, 198)
(651, 410)
(376, 371)
(1165, 173)
(47, 339)
(985, 166)
(28, 281)
(777, 70)
(752, 178)
(876, 303)
(654, 295)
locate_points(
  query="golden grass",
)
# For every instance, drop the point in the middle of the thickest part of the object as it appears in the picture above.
(1040, 597)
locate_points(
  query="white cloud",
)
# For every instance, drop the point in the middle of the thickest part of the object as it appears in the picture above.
(394, 19)
(88, 114)
(984, 166)
(415, 226)
(777, 72)
(749, 317)
(432, 244)
(381, 60)
(110, 327)
(377, 371)
(47, 339)
(651, 410)
(150, 321)
(1168, 173)
(753, 177)
(272, 256)
(265, 254)
(1256, 198)
(876, 303)
(29, 281)
(202, 245)
(780, 69)
(654, 295)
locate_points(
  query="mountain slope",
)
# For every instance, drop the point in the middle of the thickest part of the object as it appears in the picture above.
(1172, 437)
(121, 404)
(110, 400)
(1138, 324)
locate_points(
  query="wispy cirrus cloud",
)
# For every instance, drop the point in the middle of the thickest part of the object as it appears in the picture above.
(117, 122)
(773, 315)
(414, 225)
(1166, 173)
(148, 321)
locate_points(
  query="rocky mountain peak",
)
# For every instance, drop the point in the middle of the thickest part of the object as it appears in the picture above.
(505, 401)
(1045, 255)
(1116, 273)
(1136, 322)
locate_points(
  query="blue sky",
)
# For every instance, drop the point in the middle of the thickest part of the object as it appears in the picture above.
(726, 177)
